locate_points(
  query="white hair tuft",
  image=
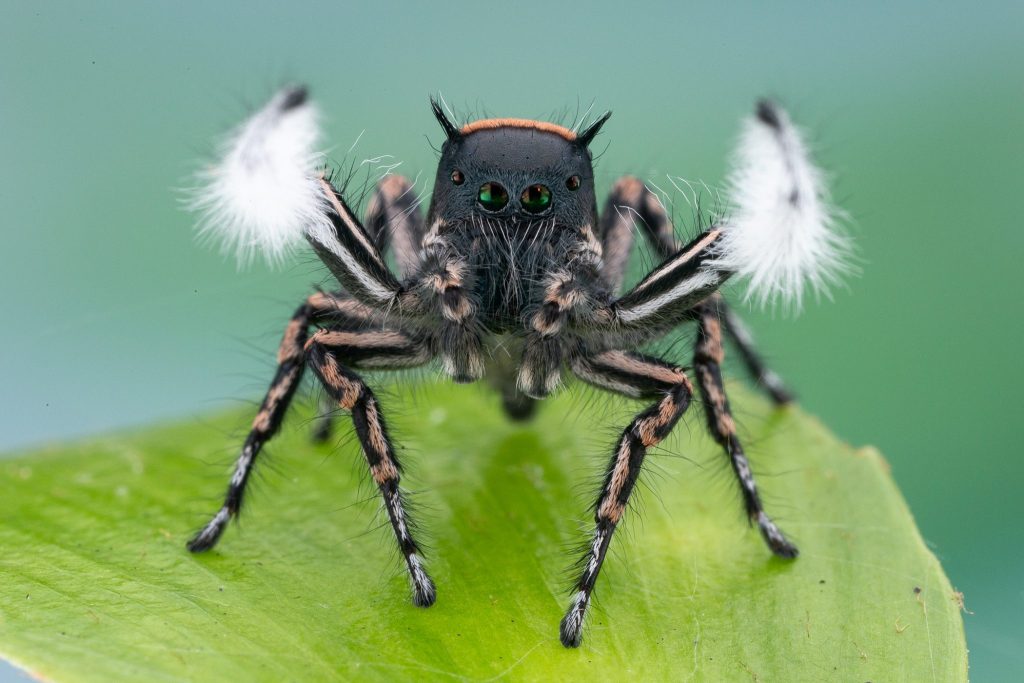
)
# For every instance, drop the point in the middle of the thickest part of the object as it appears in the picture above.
(781, 234)
(263, 194)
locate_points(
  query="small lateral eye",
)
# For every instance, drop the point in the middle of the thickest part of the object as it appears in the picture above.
(457, 177)
(536, 199)
(573, 183)
(492, 196)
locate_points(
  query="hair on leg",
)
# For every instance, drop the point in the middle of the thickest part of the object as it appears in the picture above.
(764, 376)
(707, 362)
(393, 220)
(636, 376)
(327, 350)
(290, 366)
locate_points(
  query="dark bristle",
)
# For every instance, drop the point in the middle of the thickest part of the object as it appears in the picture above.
(294, 97)
(588, 135)
(449, 128)
(768, 114)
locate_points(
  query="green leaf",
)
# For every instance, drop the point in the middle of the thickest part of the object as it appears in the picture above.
(96, 584)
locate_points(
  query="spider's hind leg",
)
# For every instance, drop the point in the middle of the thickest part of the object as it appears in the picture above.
(708, 356)
(764, 376)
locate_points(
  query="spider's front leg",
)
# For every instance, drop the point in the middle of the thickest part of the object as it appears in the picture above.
(328, 351)
(632, 203)
(636, 376)
(707, 365)
(393, 221)
(290, 366)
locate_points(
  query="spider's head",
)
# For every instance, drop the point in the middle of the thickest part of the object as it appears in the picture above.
(515, 170)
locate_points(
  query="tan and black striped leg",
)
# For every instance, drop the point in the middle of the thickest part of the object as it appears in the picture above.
(707, 363)
(636, 376)
(329, 353)
(764, 376)
(290, 366)
(631, 204)
(338, 311)
(393, 219)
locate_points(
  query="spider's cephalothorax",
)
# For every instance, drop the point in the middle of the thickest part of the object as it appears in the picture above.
(514, 255)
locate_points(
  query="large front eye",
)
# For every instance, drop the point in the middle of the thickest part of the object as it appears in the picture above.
(492, 196)
(536, 199)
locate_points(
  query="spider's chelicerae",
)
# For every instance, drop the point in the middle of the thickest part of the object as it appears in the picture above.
(514, 255)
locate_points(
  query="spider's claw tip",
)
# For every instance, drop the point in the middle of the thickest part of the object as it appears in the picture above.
(775, 539)
(423, 593)
(570, 631)
(570, 634)
(200, 544)
(209, 534)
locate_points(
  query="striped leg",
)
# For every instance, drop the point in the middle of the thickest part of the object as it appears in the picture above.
(661, 300)
(374, 348)
(636, 376)
(707, 363)
(393, 219)
(290, 366)
(631, 203)
(761, 373)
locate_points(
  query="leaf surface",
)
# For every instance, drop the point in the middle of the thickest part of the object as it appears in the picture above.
(96, 585)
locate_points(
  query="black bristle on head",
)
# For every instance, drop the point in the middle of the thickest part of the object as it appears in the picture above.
(768, 114)
(449, 128)
(588, 135)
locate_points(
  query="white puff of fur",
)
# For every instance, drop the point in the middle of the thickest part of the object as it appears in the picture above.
(264, 192)
(782, 231)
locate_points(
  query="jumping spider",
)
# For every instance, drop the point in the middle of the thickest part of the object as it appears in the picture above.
(514, 253)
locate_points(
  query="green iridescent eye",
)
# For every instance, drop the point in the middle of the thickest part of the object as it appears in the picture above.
(536, 199)
(492, 196)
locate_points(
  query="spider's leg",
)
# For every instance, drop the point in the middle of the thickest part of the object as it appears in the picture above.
(350, 254)
(707, 364)
(327, 350)
(660, 301)
(764, 376)
(636, 376)
(393, 219)
(338, 311)
(630, 203)
(290, 366)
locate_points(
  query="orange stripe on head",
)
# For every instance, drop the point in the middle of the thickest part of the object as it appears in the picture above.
(542, 126)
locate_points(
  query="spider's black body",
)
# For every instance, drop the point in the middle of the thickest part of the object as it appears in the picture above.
(514, 276)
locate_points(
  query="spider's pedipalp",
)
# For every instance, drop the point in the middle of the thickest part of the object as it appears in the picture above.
(782, 233)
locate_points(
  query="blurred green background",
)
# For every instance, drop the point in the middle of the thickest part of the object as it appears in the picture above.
(113, 315)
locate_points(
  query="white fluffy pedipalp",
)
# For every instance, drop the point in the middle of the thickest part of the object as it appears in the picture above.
(263, 193)
(781, 234)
